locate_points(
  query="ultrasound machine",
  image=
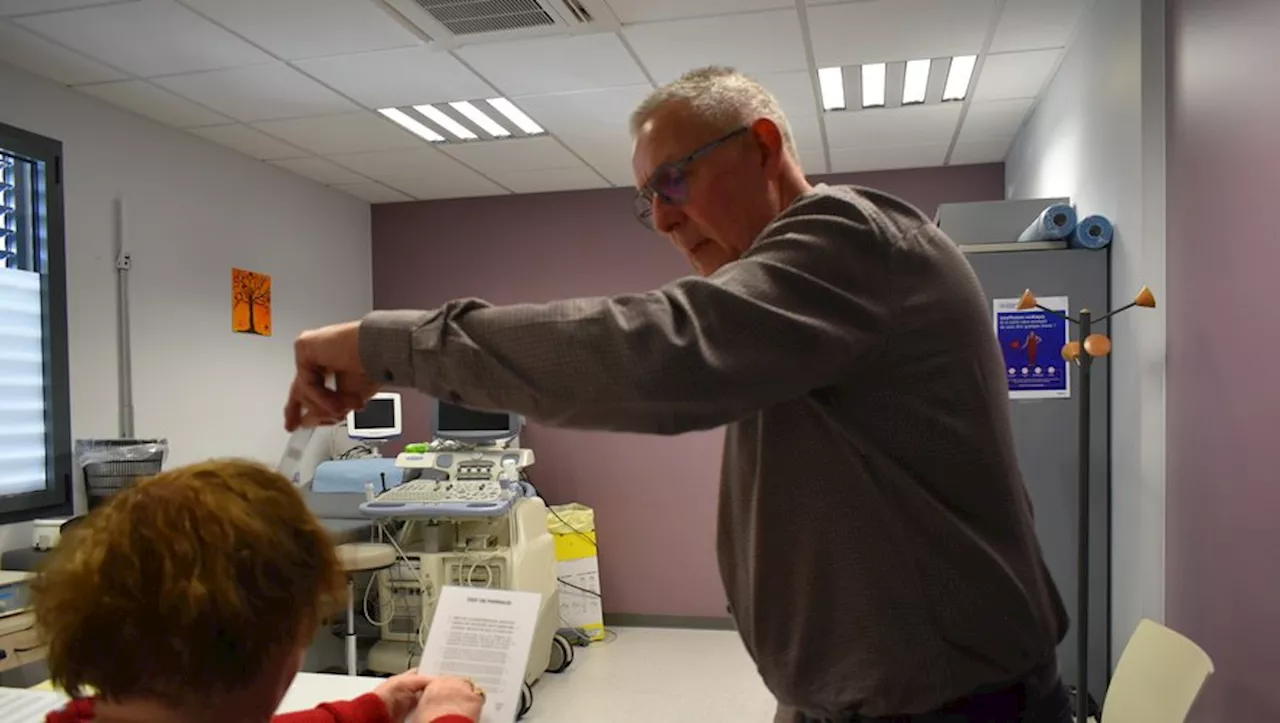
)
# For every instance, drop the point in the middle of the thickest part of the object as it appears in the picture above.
(463, 515)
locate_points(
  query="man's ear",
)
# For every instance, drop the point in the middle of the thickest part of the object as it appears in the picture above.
(768, 137)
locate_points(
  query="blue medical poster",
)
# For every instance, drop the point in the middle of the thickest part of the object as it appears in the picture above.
(1031, 342)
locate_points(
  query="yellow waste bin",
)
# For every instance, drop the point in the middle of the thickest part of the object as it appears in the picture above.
(578, 568)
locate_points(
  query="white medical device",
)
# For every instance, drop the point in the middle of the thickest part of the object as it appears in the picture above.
(46, 533)
(468, 520)
(381, 418)
(15, 592)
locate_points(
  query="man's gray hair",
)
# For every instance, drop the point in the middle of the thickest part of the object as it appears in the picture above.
(722, 96)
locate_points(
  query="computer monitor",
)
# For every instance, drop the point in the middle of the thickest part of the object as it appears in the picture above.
(380, 418)
(470, 425)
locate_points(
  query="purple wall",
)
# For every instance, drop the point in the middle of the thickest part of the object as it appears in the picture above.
(1223, 578)
(654, 497)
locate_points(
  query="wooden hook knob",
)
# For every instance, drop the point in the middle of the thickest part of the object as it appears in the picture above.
(1027, 301)
(1097, 345)
(1071, 351)
(1145, 298)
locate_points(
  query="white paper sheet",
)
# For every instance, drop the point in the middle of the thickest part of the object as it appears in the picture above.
(485, 635)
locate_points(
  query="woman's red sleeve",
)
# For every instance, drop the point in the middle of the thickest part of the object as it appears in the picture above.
(368, 708)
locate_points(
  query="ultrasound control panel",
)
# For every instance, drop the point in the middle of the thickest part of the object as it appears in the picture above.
(475, 465)
(453, 485)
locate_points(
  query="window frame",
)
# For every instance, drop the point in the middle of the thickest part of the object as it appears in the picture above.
(56, 499)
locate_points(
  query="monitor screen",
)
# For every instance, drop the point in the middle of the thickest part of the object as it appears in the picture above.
(380, 419)
(451, 418)
(377, 414)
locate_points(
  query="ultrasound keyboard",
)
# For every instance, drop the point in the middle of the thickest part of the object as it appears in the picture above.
(443, 491)
(441, 499)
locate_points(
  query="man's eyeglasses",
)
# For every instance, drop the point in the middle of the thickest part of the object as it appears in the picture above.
(670, 181)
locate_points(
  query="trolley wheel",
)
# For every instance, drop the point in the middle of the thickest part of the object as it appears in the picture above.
(526, 700)
(561, 654)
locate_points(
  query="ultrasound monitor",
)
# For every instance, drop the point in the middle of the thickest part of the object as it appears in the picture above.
(380, 418)
(454, 422)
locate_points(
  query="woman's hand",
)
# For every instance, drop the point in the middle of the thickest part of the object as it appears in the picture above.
(401, 693)
(450, 696)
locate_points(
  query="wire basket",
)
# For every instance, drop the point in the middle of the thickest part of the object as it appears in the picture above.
(111, 465)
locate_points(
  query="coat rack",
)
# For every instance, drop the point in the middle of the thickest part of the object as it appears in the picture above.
(1094, 346)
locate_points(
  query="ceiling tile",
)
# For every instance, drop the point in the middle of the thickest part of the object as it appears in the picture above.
(914, 125)
(884, 158)
(805, 131)
(878, 32)
(519, 154)
(147, 37)
(551, 179)
(262, 92)
(293, 29)
(142, 97)
(998, 119)
(645, 11)
(344, 133)
(28, 7)
(373, 192)
(1015, 75)
(611, 160)
(36, 55)
(250, 142)
(992, 150)
(402, 164)
(813, 160)
(398, 77)
(319, 169)
(1037, 24)
(463, 185)
(554, 64)
(793, 91)
(593, 124)
(753, 43)
(594, 111)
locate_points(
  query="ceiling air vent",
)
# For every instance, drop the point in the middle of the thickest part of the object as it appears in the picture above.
(473, 17)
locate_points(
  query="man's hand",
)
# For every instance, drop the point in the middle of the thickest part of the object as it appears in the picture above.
(333, 351)
(401, 693)
(450, 696)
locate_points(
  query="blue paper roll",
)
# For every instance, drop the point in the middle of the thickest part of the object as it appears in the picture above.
(1093, 232)
(1053, 224)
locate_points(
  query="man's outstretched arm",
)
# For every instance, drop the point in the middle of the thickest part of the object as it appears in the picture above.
(789, 317)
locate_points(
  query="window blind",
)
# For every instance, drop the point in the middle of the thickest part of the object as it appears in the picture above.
(22, 391)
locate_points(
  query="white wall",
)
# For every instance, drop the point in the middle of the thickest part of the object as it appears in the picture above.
(193, 211)
(1097, 136)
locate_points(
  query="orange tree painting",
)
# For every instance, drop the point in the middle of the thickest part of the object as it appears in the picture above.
(250, 302)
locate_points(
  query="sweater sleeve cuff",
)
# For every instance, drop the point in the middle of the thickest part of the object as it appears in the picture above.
(370, 707)
(386, 346)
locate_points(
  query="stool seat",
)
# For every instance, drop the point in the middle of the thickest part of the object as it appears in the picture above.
(365, 556)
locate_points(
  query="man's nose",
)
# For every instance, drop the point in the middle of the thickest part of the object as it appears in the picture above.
(666, 215)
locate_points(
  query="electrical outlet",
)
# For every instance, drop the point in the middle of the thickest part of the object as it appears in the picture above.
(124, 262)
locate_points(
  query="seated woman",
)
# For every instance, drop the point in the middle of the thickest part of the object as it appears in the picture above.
(192, 597)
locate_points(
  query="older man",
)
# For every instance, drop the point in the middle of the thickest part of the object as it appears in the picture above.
(875, 537)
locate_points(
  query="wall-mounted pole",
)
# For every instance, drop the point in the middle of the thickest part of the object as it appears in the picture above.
(123, 343)
(1082, 520)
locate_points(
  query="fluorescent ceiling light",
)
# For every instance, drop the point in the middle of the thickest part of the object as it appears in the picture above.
(477, 116)
(958, 77)
(515, 115)
(437, 116)
(831, 82)
(916, 83)
(873, 85)
(409, 123)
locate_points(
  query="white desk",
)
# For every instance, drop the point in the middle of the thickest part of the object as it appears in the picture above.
(21, 705)
(312, 689)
